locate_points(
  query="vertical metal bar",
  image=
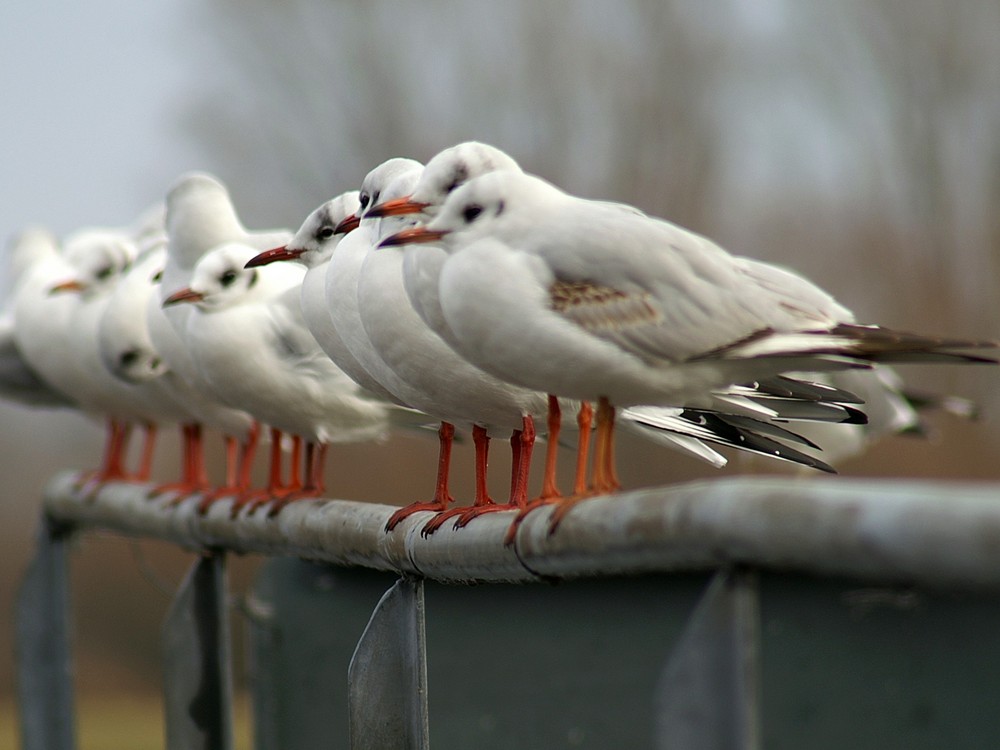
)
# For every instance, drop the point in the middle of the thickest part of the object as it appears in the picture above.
(708, 696)
(44, 663)
(198, 691)
(387, 678)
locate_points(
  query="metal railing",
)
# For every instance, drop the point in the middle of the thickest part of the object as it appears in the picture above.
(932, 537)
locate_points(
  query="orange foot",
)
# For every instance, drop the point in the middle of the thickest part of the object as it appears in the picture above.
(403, 513)
(183, 489)
(538, 502)
(564, 506)
(304, 494)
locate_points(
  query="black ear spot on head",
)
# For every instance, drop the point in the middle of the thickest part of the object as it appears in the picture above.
(458, 176)
(128, 357)
(500, 207)
(471, 212)
(253, 279)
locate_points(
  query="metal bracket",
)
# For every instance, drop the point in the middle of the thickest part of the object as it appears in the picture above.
(198, 691)
(44, 659)
(387, 679)
(709, 697)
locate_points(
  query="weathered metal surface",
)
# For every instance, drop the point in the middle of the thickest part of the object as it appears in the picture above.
(387, 679)
(931, 533)
(708, 698)
(44, 664)
(198, 692)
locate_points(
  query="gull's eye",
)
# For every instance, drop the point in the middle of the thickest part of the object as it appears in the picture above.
(471, 211)
(227, 278)
(128, 358)
(363, 199)
(104, 272)
(325, 232)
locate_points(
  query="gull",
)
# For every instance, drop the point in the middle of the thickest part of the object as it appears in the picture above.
(313, 246)
(19, 381)
(425, 371)
(199, 217)
(56, 315)
(127, 352)
(249, 340)
(582, 299)
(680, 428)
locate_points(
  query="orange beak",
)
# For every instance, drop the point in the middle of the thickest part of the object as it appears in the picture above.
(275, 254)
(348, 225)
(412, 236)
(72, 285)
(396, 207)
(183, 295)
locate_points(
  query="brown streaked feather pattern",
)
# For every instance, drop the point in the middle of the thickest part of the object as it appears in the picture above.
(594, 307)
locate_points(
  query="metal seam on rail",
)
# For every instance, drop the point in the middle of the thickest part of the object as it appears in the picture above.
(898, 532)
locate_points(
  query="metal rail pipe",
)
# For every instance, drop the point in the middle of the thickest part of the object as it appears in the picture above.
(938, 534)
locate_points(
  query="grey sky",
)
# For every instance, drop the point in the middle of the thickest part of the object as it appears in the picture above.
(87, 132)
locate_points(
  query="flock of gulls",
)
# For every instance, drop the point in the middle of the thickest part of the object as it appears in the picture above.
(463, 295)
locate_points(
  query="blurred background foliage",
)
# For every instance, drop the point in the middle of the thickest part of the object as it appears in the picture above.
(858, 142)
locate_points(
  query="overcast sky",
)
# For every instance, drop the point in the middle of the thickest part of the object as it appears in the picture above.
(87, 91)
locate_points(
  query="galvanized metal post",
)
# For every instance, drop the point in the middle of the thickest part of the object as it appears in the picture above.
(198, 691)
(709, 694)
(387, 679)
(44, 663)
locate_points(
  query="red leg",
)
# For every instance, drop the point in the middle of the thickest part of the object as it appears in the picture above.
(481, 440)
(442, 498)
(315, 455)
(193, 477)
(112, 465)
(605, 475)
(146, 460)
(521, 442)
(275, 487)
(550, 488)
(239, 465)
(584, 419)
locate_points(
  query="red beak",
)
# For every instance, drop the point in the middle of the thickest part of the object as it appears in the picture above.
(275, 254)
(72, 285)
(412, 236)
(348, 225)
(183, 295)
(395, 207)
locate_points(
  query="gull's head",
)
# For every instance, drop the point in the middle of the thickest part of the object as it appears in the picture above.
(447, 171)
(99, 258)
(199, 216)
(134, 364)
(505, 204)
(124, 343)
(318, 236)
(398, 188)
(220, 279)
(29, 246)
(376, 181)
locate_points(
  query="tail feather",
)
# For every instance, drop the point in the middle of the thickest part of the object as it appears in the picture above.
(742, 433)
(855, 342)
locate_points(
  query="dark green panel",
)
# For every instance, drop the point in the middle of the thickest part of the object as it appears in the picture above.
(551, 666)
(313, 616)
(846, 665)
